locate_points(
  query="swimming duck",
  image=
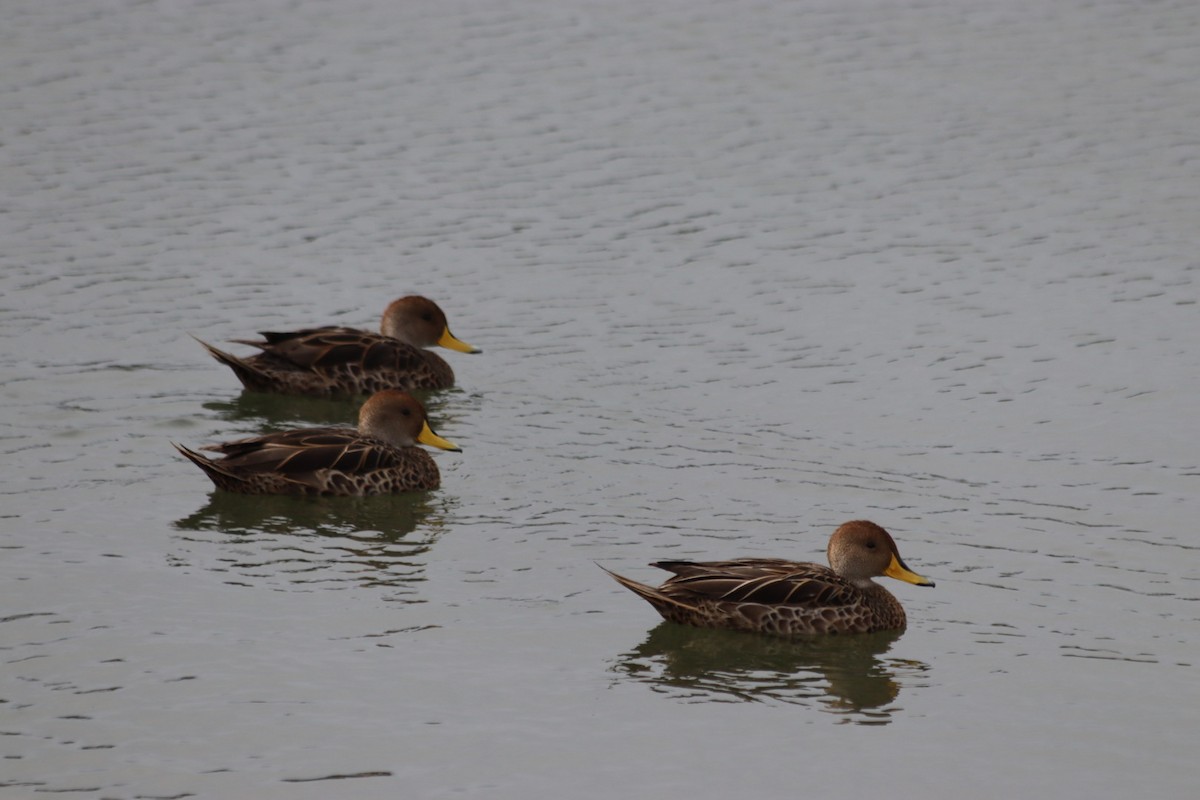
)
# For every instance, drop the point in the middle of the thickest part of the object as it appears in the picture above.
(335, 361)
(783, 598)
(380, 457)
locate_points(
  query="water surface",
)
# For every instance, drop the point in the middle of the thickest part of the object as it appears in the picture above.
(740, 273)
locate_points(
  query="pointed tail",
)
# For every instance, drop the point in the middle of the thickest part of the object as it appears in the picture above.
(220, 477)
(247, 373)
(650, 594)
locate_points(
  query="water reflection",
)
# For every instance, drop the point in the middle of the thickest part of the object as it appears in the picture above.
(279, 410)
(286, 411)
(315, 542)
(842, 675)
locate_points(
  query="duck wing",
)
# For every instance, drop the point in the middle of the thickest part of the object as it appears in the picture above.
(300, 452)
(767, 581)
(324, 348)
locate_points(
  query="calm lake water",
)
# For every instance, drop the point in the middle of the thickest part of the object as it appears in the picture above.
(740, 272)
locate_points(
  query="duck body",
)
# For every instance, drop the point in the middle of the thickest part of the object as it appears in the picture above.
(785, 598)
(336, 361)
(379, 457)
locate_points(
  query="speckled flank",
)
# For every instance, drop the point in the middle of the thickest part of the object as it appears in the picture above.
(398, 366)
(880, 611)
(413, 470)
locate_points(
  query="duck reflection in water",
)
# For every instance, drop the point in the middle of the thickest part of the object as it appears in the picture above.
(336, 542)
(282, 410)
(842, 675)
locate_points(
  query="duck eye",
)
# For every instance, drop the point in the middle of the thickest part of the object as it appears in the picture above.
(427, 317)
(870, 545)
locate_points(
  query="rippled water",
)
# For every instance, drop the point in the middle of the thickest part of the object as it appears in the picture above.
(740, 272)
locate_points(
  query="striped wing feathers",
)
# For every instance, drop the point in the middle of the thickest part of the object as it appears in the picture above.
(323, 348)
(774, 582)
(307, 451)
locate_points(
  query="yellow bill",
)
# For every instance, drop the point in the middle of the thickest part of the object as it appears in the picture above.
(900, 571)
(450, 342)
(427, 436)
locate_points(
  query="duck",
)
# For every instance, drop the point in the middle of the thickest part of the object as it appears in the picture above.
(336, 361)
(380, 456)
(778, 597)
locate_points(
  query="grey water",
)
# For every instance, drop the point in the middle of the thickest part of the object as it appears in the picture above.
(740, 272)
